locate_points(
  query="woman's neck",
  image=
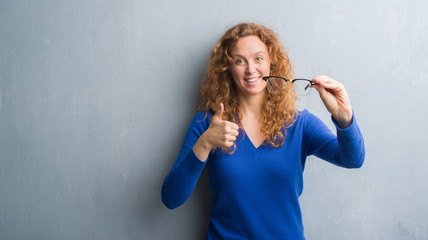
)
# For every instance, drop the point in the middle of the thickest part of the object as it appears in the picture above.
(251, 109)
(251, 105)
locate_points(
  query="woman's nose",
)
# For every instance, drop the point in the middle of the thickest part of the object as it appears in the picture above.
(250, 68)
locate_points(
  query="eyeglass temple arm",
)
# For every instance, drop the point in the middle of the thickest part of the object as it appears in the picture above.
(312, 82)
(270, 82)
(267, 77)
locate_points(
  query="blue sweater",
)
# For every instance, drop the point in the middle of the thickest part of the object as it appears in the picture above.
(255, 191)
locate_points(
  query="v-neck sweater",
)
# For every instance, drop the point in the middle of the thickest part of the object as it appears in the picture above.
(255, 191)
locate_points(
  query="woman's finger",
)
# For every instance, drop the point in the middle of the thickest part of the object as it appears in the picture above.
(234, 133)
(231, 127)
(328, 84)
(325, 81)
(231, 138)
(234, 126)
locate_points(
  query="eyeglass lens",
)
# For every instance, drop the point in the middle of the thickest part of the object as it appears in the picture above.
(276, 84)
(302, 87)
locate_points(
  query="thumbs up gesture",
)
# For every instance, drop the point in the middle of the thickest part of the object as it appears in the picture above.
(221, 133)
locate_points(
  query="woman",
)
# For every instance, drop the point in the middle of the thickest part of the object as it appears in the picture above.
(255, 142)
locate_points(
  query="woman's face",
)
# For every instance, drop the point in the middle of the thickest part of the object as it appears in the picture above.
(250, 64)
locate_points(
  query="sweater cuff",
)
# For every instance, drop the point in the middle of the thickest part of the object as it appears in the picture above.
(349, 128)
(192, 164)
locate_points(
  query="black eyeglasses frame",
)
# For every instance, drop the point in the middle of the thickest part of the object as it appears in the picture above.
(311, 83)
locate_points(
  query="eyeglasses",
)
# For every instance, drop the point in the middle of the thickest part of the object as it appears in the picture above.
(301, 86)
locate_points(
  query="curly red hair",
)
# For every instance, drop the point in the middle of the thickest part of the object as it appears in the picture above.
(218, 87)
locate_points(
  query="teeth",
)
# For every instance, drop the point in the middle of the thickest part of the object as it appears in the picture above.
(252, 79)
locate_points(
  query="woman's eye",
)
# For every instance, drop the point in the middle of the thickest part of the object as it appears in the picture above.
(239, 61)
(259, 59)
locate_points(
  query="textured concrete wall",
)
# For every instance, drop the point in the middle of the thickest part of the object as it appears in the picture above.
(95, 98)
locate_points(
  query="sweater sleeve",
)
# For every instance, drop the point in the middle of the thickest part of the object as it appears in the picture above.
(178, 185)
(346, 149)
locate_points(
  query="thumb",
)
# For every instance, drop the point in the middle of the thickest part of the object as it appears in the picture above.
(319, 88)
(219, 111)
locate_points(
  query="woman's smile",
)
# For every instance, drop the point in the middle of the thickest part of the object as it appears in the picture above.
(252, 79)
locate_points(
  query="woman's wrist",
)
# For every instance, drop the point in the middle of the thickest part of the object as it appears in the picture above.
(343, 119)
(202, 148)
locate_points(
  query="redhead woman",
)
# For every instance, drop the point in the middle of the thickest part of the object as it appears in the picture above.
(254, 141)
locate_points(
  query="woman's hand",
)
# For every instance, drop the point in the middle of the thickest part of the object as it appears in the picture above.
(220, 133)
(335, 98)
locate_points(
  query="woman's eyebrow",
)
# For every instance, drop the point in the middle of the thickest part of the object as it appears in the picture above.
(260, 52)
(257, 53)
